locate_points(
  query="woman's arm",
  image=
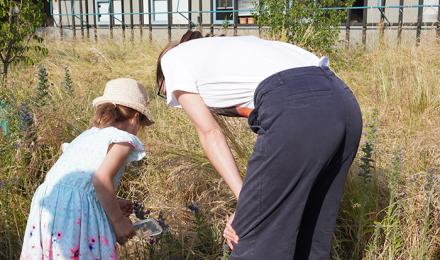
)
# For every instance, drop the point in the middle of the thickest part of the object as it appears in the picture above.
(212, 139)
(105, 191)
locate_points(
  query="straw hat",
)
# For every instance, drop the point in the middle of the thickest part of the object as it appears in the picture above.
(126, 92)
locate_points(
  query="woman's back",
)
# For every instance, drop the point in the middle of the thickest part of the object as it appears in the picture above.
(225, 71)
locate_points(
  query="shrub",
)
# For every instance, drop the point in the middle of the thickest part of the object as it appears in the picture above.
(19, 21)
(304, 23)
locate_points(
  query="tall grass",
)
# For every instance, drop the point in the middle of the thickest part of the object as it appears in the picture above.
(390, 208)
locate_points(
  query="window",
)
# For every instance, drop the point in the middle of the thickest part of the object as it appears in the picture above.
(159, 9)
(357, 15)
(246, 5)
(223, 7)
(103, 10)
(103, 7)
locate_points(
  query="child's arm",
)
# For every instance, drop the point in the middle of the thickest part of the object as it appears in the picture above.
(105, 191)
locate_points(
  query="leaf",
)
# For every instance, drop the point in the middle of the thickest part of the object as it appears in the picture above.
(17, 28)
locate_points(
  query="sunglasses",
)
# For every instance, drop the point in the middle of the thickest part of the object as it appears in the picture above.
(160, 91)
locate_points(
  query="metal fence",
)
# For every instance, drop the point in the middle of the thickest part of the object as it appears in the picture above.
(82, 17)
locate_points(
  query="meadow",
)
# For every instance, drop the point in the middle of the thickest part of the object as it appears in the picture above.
(391, 206)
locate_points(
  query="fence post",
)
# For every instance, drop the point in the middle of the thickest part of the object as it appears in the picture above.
(141, 17)
(72, 4)
(112, 17)
(81, 17)
(189, 14)
(131, 14)
(438, 21)
(170, 18)
(419, 22)
(235, 16)
(347, 28)
(123, 18)
(399, 30)
(87, 19)
(200, 15)
(364, 23)
(95, 26)
(382, 21)
(211, 16)
(60, 18)
(150, 26)
(131, 19)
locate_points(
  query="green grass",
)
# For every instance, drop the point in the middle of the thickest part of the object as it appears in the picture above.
(393, 213)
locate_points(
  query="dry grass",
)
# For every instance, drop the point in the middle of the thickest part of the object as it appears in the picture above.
(393, 216)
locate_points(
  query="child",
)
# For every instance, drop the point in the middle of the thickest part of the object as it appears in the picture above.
(75, 213)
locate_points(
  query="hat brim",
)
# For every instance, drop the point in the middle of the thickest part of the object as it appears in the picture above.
(142, 109)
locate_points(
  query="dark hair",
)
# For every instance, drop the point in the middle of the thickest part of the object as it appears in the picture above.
(191, 35)
(188, 36)
(108, 114)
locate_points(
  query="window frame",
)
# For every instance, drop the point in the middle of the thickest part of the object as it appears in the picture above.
(217, 21)
(153, 12)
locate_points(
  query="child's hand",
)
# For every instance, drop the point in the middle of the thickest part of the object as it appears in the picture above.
(126, 207)
(123, 229)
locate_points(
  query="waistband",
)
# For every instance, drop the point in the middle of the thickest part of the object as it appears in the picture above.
(289, 74)
(321, 70)
(82, 185)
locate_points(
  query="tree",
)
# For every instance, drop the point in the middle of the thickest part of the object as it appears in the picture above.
(305, 23)
(19, 21)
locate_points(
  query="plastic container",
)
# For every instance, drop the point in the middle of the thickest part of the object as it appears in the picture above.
(147, 228)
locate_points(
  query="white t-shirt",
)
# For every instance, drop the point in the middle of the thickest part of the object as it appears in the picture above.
(225, 71)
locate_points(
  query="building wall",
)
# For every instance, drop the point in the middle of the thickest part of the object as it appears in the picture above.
(181, 6)
(180, 20)
(373, 15)
(101, 6)
(409, 14)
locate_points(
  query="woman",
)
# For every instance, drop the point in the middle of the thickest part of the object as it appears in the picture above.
(308, 125)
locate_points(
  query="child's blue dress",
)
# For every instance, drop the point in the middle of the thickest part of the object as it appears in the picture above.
(66, 220)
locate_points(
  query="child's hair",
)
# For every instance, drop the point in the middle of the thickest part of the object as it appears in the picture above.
(108, 113)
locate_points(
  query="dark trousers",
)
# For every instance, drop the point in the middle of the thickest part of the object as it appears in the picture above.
(309, 126)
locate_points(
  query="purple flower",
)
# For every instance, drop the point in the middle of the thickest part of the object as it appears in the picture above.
(139, 211)
(2, 184)
(25, 118)
(194, 208)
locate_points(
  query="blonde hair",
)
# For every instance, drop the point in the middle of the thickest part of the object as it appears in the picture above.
(108, 114)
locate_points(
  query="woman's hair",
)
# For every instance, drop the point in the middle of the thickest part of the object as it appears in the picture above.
(189, 35)
(108, 114)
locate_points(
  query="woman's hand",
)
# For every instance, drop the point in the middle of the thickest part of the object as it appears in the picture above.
(229, 233)
(123, 229)
(126, 207)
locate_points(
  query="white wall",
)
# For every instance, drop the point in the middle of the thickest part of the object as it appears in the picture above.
(409, 14)
(177, 6)
(430, 14)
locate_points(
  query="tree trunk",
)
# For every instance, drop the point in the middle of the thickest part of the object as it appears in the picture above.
(5, 71)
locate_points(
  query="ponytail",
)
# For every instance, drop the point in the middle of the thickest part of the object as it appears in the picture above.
(189, 35)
